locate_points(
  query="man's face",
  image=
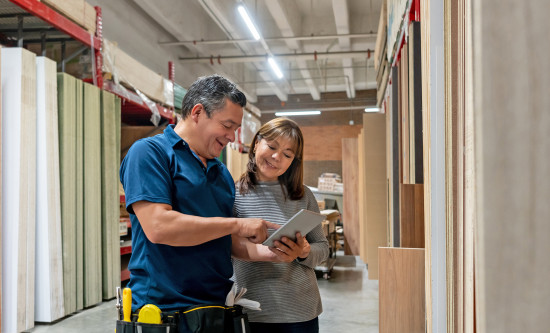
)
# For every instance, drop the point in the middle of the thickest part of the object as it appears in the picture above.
(218, 130)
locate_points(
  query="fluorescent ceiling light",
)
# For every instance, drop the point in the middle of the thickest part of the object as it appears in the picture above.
(297, 113)
(248, 22)
(275, 68)
(372, 109)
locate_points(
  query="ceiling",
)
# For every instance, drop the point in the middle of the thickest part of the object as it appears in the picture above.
(212, 35)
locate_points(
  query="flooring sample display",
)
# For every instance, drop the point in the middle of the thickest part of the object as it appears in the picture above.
(401, 290)
(412, 215)
(512, 123)
(67, 115)
(110, 206)
(349, 178)
(18, 71)
(49, 259)
(376, 202)
(92, 195)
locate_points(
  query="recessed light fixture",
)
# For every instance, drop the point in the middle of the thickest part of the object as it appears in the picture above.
(372, 109)
(248, 21)
(297, 113)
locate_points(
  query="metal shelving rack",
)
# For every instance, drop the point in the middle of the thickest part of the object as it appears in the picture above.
(54, 27)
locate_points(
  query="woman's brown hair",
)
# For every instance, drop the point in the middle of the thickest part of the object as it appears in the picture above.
(292, 181)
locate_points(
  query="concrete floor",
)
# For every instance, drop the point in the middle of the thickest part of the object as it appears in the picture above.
(350, 303)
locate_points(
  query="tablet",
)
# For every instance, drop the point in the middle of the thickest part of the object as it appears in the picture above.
(303, 221)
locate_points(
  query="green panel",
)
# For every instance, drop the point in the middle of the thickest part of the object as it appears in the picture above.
(110, 156)
(92, 195)
(79, 221)
(66, 103)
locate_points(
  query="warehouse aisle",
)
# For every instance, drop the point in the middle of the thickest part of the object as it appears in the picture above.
(350, 303)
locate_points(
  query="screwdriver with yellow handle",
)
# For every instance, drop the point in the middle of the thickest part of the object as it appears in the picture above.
(126, 304)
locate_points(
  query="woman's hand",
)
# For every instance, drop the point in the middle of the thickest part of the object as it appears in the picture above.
(286, 250)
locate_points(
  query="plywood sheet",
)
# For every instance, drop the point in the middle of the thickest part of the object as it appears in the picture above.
(401, 290)
(110, 206)
(79, 194)
(404, 91)
(412, 215)
(49, 259)
(66, 95)
(92, 195)
(375, 189)
(512, 123)
(18, 71)
(351, 196)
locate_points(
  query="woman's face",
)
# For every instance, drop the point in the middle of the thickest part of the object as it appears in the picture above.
(273, 158)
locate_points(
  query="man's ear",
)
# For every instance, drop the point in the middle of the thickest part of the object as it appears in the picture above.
(196, 112)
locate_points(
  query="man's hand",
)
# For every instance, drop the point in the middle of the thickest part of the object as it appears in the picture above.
(287, 251)
(254, 229)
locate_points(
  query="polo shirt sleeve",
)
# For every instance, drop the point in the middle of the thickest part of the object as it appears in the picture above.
(145, 174)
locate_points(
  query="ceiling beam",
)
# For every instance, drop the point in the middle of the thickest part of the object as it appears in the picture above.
(281, 12)
(219, 15)
(341, 18)
(178, 33)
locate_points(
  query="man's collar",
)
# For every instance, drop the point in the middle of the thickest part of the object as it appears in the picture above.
(173, 137)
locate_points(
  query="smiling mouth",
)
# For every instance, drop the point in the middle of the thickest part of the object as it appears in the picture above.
(270, 165)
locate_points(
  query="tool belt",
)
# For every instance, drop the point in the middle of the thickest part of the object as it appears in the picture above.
(196, 319)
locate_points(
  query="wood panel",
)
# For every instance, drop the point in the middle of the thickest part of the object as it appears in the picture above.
(405, 127)
(130, 134)
(49, 260)
(236, 162)
(512, 123)
(351, 196)
(92, 195)
(110, 202)
(415, 104)
(412, 215)
(361, 193)
(376, 204)
(18, 70)
(66, 95)
(79, 228)
(395, 174)
(401, 290)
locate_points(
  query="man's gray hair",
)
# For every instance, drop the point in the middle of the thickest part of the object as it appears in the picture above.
(212, 92)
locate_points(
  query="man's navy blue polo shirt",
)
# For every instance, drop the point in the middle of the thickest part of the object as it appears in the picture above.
(162, 169)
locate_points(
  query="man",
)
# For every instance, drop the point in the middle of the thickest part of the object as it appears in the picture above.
(180, 199)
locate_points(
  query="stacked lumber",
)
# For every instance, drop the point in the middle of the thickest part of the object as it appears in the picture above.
(18, 71)
(135, 75)
(79, 11)
(49, 262)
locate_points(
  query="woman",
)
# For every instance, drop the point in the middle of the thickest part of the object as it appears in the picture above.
(272, 189)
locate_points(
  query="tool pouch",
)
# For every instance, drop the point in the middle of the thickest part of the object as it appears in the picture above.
(215, 319)
(135, 327)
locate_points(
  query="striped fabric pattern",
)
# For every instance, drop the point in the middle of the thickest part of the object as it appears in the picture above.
(287, 292)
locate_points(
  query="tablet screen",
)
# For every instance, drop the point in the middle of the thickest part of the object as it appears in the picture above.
(303, 221)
